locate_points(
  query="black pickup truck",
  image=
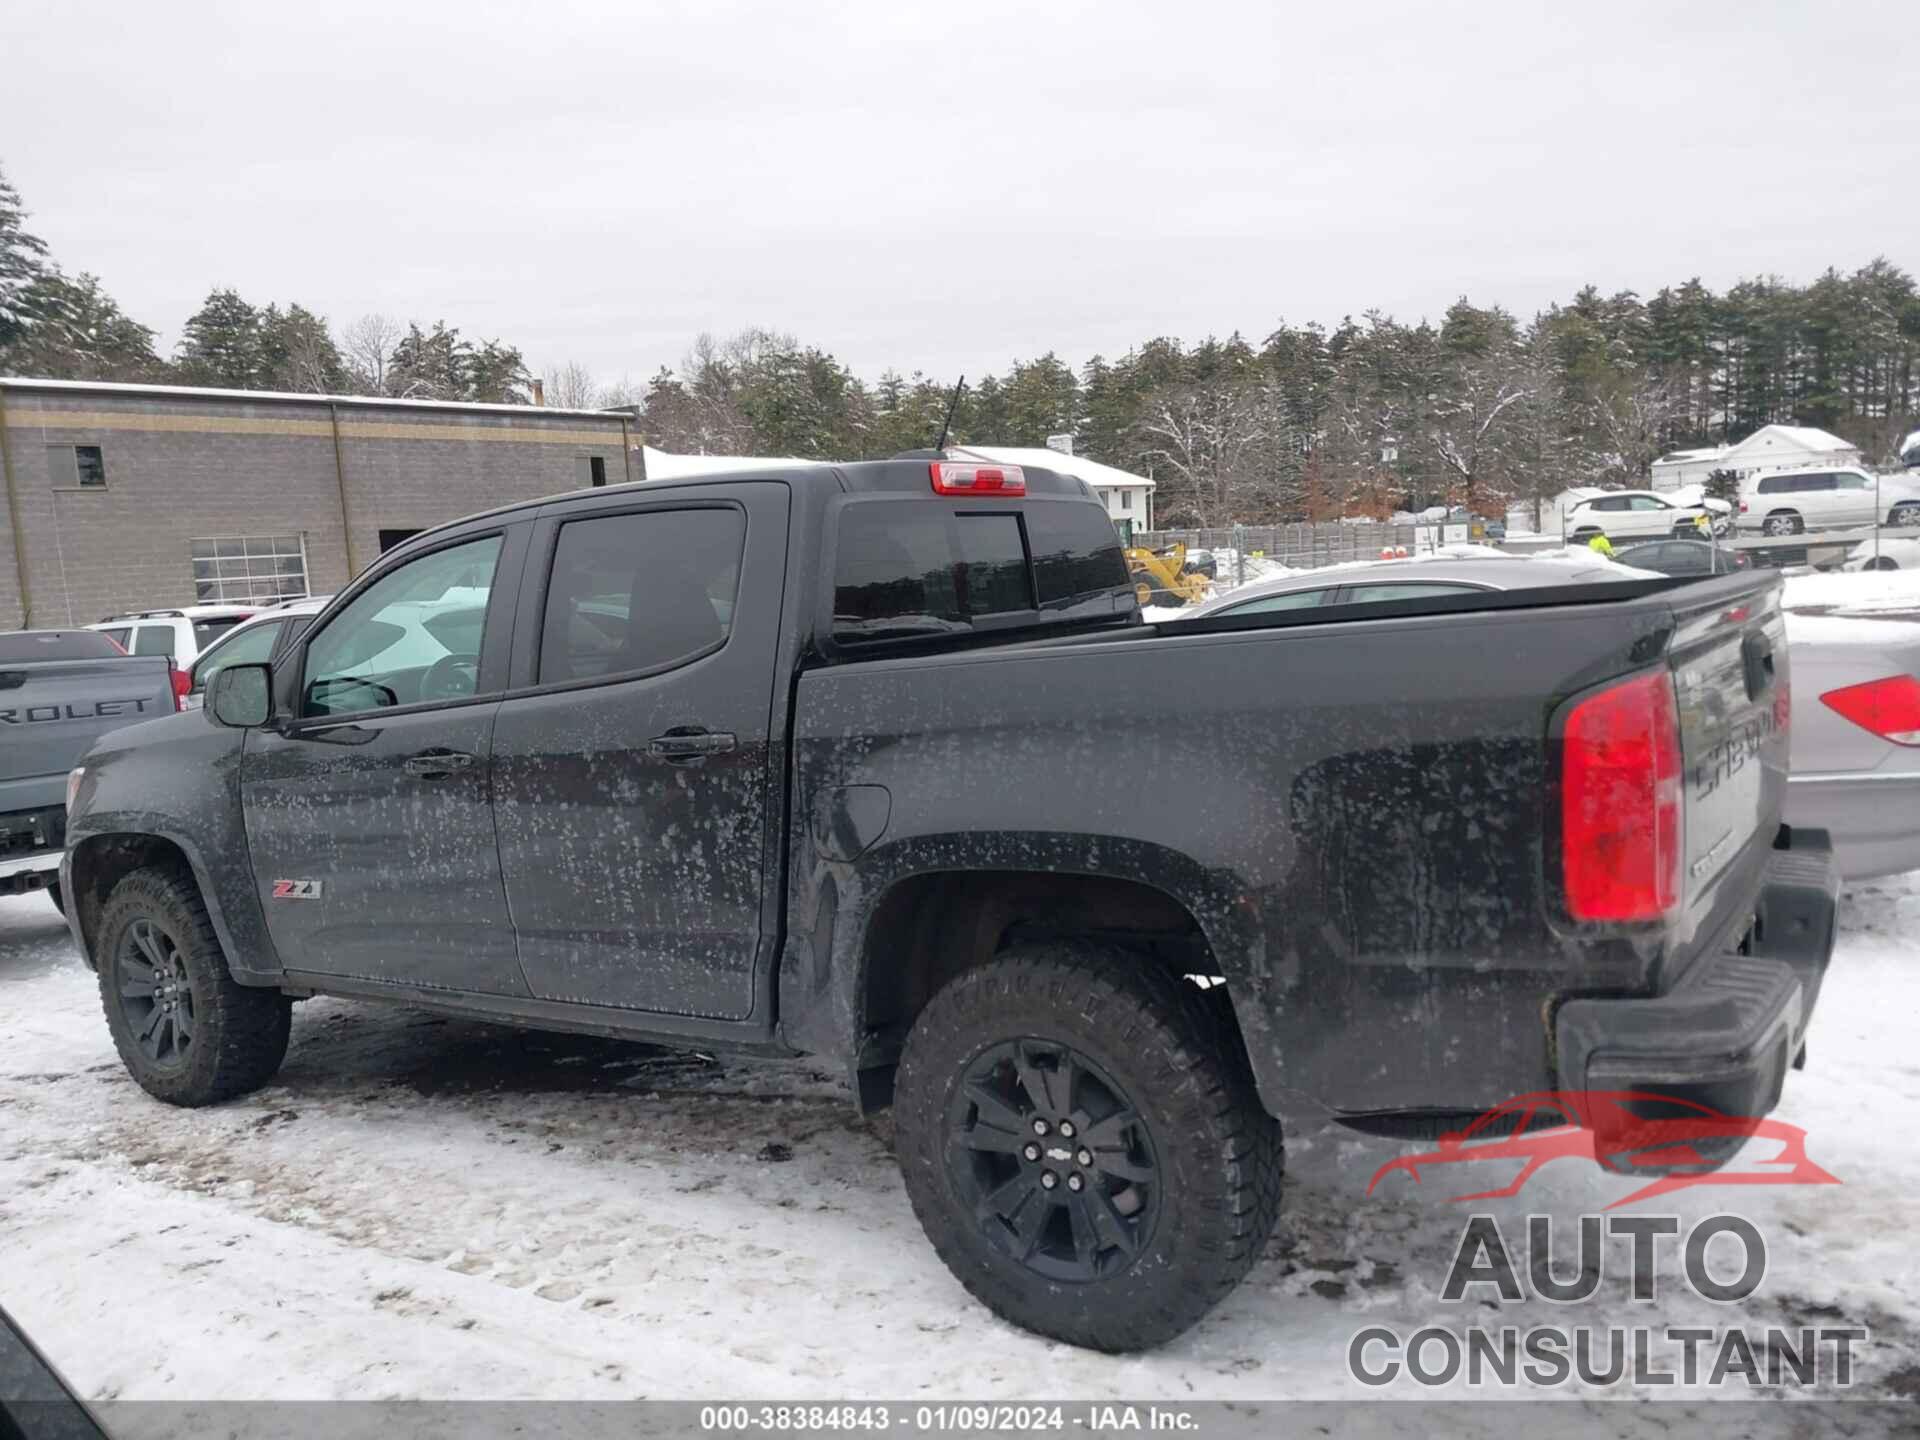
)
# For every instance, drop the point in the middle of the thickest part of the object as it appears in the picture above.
(879, 762)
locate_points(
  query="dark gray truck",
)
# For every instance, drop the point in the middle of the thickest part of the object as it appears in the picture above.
(879, 762)
(60, 690)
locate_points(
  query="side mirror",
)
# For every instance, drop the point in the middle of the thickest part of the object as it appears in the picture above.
(241, 696)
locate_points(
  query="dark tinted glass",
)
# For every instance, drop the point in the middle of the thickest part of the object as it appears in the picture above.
(910, 568)
(637, 592)
(205, 632)
(1076, 553)
(56, 645)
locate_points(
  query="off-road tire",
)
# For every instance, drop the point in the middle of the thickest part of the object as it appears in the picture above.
(240, 1032)
(1172, 1049)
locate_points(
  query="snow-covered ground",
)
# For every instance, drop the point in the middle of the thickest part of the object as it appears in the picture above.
(425, 1208)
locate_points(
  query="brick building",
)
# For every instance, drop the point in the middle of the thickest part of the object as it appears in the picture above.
(136, 496)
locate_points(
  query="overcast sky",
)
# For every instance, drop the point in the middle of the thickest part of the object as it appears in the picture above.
(949, 186)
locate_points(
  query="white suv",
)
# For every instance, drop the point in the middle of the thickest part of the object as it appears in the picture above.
(181, 633)
(1787, 502)
(1633, 514)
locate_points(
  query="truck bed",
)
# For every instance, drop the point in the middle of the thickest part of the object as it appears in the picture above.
(1357, 804)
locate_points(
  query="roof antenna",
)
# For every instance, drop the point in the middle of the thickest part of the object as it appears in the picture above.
(947, 424)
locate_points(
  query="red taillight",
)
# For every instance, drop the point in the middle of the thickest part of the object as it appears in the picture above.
(182, 683)
(1743, 507)
(1890, 708)
(1620, 799)
(951, 479)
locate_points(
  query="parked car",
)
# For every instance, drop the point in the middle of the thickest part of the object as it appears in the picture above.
(60, 690)
(1856, 734)
(181, 634)
(1788, 502)
(1683, 557)
(250, 642)
(872, 816)
(1396, 580)
(1886, 552)
(1634, 514)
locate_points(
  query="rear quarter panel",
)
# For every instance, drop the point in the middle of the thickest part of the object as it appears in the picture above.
(1354, 813)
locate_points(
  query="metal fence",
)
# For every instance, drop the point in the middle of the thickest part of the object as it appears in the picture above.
(1300, 547)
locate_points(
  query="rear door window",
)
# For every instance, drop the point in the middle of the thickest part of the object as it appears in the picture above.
(119, 635)
(1362, 594)
(639, 592)
(153, 640)
(1292, 600)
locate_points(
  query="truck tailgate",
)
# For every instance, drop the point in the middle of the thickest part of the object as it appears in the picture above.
(1728, 659)
(52, 710)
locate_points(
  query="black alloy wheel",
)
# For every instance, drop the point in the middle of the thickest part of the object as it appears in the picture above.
(156, 994)
(1056, 1164)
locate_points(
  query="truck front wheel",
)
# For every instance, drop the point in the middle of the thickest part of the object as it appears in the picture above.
(1081, 1140)
(185, 1029)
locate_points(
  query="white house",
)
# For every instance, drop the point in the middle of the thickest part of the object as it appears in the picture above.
(1128, 497)
(1771, 447)
(1686, 467)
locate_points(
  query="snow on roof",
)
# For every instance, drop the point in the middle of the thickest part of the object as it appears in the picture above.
(1688, 457)
(1091, 471)
(381, 402)
(1793, 437)
(660, 465)
(1910, 445)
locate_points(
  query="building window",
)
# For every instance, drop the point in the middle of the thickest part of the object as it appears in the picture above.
(77, 466)
(391, 538)
(592, 469)
(251, 568)
(1126, 499)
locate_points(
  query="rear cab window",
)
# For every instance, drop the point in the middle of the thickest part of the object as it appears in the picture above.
(914, 569)
(58, 645)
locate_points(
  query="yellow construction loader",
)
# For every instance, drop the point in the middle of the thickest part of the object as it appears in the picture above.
(1163, 576)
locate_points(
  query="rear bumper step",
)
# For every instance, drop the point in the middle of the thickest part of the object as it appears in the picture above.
(1730, 1029)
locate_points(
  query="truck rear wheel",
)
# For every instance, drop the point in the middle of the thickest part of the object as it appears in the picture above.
(1082, 1143)
(185, 1029)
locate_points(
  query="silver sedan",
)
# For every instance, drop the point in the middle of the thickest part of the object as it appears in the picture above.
(1856, 731)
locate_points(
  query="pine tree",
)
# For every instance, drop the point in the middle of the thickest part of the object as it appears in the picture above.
(221, 344)
(83, 335)
(23, 262)
(297, 352)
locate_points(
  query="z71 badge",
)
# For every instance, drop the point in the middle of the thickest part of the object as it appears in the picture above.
(296, 889)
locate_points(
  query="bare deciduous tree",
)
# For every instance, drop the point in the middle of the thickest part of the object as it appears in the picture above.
(368, 345)
(571, 386)
(1210, 437)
